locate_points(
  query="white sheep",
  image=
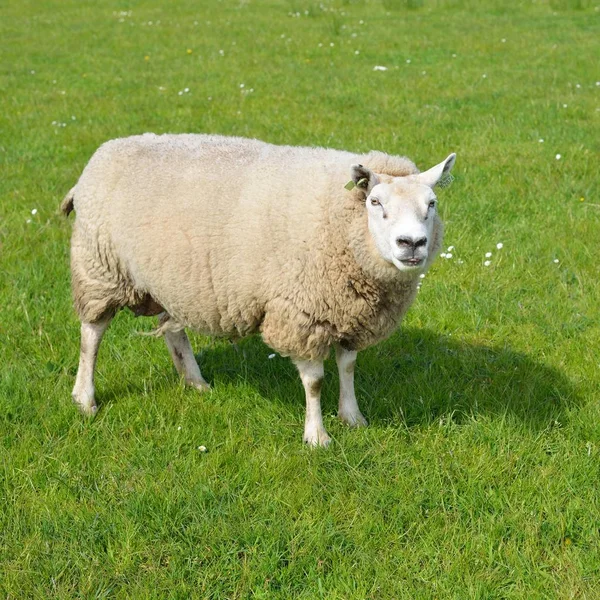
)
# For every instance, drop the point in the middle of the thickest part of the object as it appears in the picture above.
(232, 236)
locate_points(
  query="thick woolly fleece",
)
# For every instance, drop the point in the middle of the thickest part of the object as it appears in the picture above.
(233, 236)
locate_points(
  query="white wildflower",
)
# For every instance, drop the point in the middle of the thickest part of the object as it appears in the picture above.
(443, 255)
(541, 140)
(449, 255)
(202, 448)
(422, 276)
(558, 157)
(488, 254)
(450, 248)
(408, 61)
(271, 356)
(556, 261)
(34, 211)
(487, 263)
(499, 245)
(379, 68)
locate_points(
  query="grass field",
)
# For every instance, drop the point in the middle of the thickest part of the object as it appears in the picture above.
(479, 476)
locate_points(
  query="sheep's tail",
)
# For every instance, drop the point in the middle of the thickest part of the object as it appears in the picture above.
(66, 206)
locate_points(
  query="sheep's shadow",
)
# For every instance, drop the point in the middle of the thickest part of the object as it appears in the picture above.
(416, 376)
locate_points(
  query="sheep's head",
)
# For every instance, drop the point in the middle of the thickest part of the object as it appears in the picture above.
(402, 213)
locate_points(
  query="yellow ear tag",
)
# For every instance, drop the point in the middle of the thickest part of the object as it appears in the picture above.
(350, 185)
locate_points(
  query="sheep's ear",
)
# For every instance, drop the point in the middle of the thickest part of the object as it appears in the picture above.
(438, 173)
(364, 179)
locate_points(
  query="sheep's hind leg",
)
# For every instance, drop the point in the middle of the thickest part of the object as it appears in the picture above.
(83, 391)
(348, 410)
(182, 354)
(311, 373)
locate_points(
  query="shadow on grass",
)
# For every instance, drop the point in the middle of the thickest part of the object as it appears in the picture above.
(416, 376)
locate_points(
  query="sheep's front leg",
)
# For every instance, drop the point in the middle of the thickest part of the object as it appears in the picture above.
(83, 392)
(348, 410)
(182, 354)
(311, 373)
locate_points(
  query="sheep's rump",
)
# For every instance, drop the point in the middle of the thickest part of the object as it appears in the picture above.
(216, 230)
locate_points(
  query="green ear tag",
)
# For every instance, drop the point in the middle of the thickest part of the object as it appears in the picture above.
(446, 180)
(350, 185)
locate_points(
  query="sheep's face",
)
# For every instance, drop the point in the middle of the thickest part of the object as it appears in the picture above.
(401, 218)
(402, 214)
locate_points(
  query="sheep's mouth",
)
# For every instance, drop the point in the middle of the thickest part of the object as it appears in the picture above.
(412, 262)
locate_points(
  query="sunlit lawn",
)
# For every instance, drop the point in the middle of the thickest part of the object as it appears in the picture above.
(479, 476)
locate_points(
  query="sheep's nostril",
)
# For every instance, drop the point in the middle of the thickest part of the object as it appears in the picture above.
(404, 241)
(408, 242)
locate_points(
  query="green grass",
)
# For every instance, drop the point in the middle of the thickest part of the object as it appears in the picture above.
(479, 475)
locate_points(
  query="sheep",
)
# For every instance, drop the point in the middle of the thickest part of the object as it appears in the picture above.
(231, 236)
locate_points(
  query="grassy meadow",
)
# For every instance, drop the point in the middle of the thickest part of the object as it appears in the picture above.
(479, 476)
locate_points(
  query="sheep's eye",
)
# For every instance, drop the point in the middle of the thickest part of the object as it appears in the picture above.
(432, 204)
(374, 202)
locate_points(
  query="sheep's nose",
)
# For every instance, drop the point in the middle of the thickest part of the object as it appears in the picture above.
(408, 242)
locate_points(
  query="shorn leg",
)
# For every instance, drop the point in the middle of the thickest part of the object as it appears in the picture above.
(348, 408)
(183, 356)
(311, 373)
(83, 392)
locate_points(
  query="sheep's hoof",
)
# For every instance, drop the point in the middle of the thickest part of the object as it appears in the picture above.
(201, 386)
(317, 439)
(354, 419)
(87, 409)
